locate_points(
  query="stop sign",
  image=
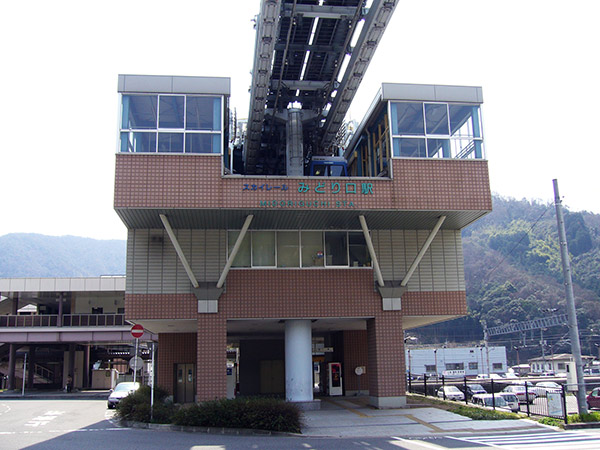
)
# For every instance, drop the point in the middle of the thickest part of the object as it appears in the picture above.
(137, 331)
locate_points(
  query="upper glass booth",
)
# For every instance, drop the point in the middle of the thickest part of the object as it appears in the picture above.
(417, 121)
(436, 130)
(158, 123)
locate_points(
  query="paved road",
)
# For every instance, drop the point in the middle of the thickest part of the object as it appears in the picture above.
(87, 424)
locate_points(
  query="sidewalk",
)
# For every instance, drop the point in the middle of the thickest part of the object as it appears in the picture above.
(351, 417)
(348, 417)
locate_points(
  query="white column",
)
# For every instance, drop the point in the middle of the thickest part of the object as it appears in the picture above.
(298, 361)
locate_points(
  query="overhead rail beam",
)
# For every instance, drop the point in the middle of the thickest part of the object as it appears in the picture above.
(179, 251)
(302, 85)
(535, 324)
(376, 22)
(322, 12)
(424, 249)
(234, 251)
(267, 28)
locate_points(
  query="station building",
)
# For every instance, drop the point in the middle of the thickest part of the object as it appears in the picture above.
(304, 283)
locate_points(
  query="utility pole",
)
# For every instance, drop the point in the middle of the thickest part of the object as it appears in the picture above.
(573, 328)
(487, 349)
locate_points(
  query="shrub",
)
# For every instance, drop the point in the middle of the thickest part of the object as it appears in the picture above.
(589, 417)
(476, 413)
(254, 413)
(136, 406)
(552, 421)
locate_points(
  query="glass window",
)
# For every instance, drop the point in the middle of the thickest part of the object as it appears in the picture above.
(464, 120)
(138, 142)
(455, 366)
(336, 249)
(171, 111)
(170, 142)
(407, 118)
(203, 113)
(497, 366)
(139, 112)
(438, 148)
(202, 143)
(410, 147)
(473, 366)
(242, 259)
(263, 248)
(430, 368)
(436, 118)
(288, 249)
(312, 248)
(357, 250)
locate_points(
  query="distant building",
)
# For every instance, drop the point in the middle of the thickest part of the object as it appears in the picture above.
(457, 362)
(555, 363)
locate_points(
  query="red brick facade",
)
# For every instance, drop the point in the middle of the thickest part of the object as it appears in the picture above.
(194, 181)
(174, 348)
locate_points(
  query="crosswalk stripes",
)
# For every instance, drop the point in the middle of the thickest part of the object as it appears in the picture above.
(554, 440)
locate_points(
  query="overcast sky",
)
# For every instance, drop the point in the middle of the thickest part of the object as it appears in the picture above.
(536, 60)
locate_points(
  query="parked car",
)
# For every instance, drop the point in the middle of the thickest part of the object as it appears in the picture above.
(450, 393)
(473, 389)
(519, 390)
(121, 391)
(511, 400)
(488, 376)
(523, 382)
(593, 398)
(543, 387)
(489, 401)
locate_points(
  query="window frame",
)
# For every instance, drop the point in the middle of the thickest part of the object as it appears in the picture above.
(249, 236)
(184, 131)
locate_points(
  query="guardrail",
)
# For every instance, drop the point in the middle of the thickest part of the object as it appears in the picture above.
(68, 320)
(556, 402)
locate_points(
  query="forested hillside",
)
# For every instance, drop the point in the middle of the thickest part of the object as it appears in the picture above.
(36, 255)
(513, 273)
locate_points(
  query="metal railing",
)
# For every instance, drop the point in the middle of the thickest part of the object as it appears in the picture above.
(68, 320)
(557, 403)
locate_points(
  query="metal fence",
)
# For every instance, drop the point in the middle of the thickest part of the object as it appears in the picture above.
(557, 403)
(68, 320)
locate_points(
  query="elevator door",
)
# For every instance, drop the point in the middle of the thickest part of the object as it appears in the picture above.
(185, 383)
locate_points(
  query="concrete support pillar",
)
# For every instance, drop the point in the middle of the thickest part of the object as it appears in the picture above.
(71, 365)
(31, 366)
(298, 361)
(86, 367)
(15, 305)
(386, 367)
(60, 310)
(211, 370)
(12, 362)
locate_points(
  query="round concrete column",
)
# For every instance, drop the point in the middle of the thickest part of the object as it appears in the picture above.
(298, 361)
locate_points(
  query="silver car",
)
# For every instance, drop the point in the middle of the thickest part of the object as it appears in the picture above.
(122, 390)
(450, 393)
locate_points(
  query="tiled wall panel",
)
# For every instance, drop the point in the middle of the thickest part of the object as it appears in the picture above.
(174, 348)
(157, 269)
(194, 181)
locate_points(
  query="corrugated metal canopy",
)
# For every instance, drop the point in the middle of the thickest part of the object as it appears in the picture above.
(287, 219)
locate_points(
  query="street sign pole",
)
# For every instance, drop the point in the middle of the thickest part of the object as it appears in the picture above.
(136, 355)
(137, 331)
(152, 386)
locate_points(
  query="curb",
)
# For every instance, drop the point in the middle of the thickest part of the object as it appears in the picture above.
(205, 430)
(582, 425)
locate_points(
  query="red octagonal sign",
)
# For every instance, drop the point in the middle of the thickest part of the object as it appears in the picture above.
(137, 331)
